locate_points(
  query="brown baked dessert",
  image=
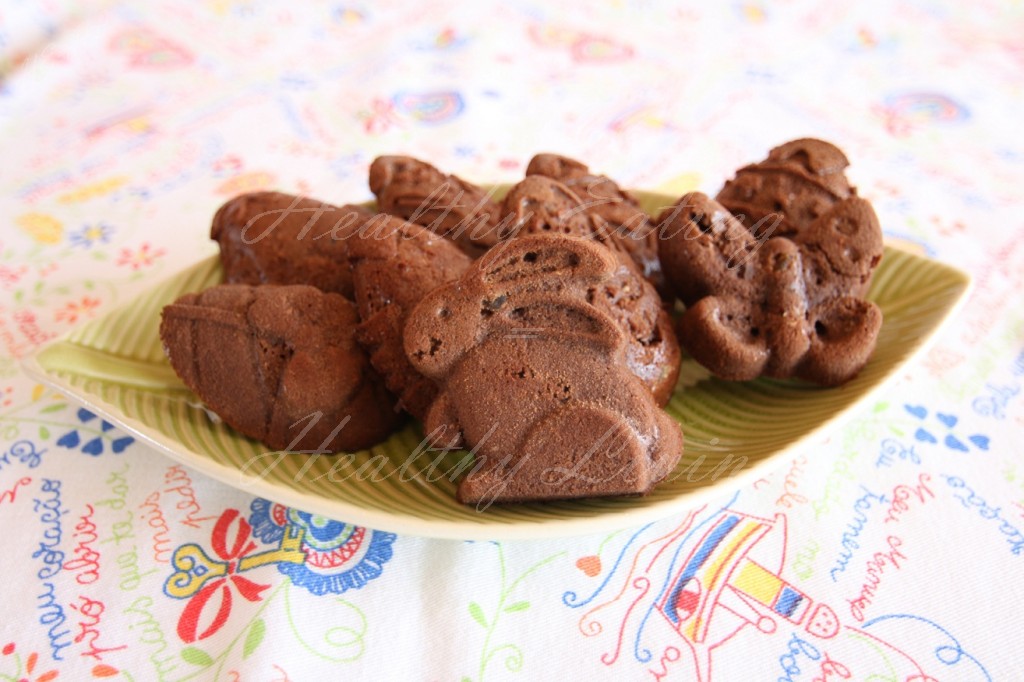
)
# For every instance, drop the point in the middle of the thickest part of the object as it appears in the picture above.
(799, 182)
(630, 226)
(279, 364)
(276, 238)
(784, 194)
(533, 375)
(392, 271)
(778, 306)
(418, 192)
(539, 205)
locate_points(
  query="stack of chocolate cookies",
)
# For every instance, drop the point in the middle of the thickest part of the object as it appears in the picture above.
(535, 329)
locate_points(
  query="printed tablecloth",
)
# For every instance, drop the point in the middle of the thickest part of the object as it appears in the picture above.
(891, 550)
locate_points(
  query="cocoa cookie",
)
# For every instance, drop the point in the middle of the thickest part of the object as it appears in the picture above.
(798, 182)
(393, 269)
(279, 364)
(630, 226)
(275, 238)
(652, 349)
(539, 205)
(533, 375)
(776, 306)
(418, 192)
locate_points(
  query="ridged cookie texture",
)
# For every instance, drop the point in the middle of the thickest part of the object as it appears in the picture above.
(393, 268)
(279, 364)
(533, 375)
(417, 191)
(633, 229)
(276, 238)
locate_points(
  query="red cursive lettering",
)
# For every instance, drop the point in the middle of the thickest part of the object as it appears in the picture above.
(180, 483)
(86, 560)
(8, 495)
(876, 566)
(902, 495)
(154, 517)
(88, 627)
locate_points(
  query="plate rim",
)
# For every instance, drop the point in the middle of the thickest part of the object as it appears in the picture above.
(460, 529)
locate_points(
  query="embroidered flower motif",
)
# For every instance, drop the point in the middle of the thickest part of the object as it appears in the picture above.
(339, 556)
(314, 552)
(91, 235)
(72, 310)
(139, 258)
(380, 117)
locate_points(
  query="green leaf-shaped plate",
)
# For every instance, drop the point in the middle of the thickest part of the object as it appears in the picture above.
(735, 432)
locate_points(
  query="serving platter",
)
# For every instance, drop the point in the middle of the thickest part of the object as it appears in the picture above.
(735, 431)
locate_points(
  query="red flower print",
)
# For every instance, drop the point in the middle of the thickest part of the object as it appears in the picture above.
(72, 310)
(10, 275)
(227, 165)
(139, 258)
(380, 117)
(47, 269)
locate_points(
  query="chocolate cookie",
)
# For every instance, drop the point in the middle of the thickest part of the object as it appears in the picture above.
(798, 182)
(392, 271)
(533, 375)
(540, 205)
(420, 193)
(777, 306)
(631, 227)
(652, 349)
(275, 238)
(279, 364)
(784, 195)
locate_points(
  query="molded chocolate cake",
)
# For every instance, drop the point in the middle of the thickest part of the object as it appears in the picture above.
(533, 375)
(392, 271)
(550, 354)
(632, 228)
(275, 238)
(539, 205)
(778, 292)
(418, 192)
(279, 364)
